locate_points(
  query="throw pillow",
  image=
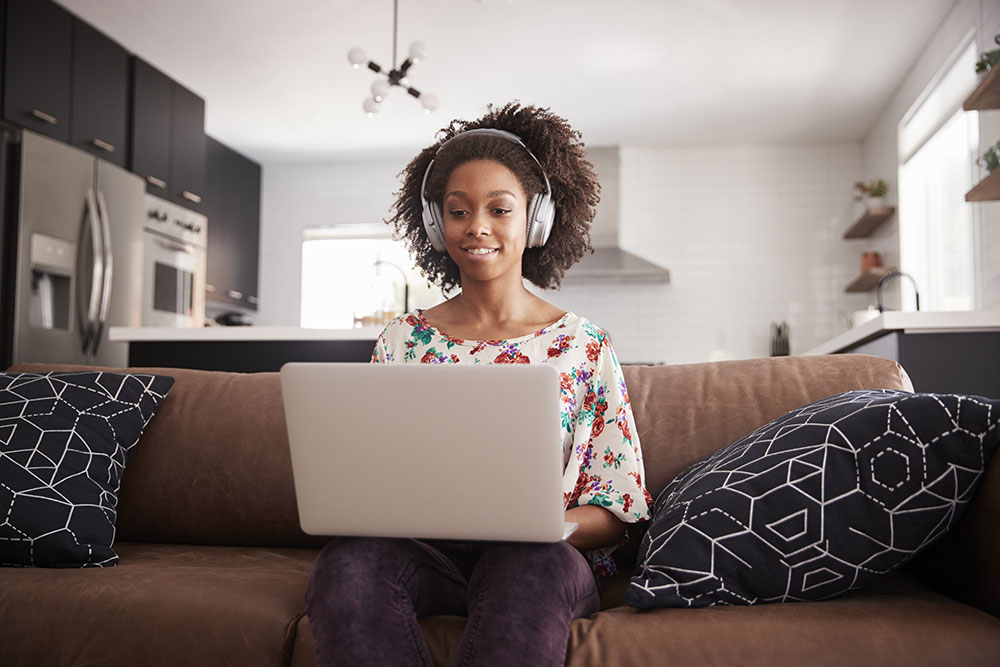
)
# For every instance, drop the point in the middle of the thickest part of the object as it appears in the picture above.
(64, 440)
(820, 501)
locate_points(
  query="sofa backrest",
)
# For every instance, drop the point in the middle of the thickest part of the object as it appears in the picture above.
(213, 465)
(685, 412)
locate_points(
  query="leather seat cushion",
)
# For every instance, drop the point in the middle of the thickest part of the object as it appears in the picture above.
(163, 604)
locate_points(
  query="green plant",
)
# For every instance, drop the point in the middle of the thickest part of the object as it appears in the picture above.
(991, 158)
(877, 188)
(988, 59)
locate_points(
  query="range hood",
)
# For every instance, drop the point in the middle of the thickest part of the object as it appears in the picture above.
(610, 263)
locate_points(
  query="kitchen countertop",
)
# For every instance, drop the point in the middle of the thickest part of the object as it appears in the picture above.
(910, 322)
(252, 333)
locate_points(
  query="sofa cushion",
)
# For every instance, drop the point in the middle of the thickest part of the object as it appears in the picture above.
(163, 605)
(896, 621)
(64, 441)
(818, 502)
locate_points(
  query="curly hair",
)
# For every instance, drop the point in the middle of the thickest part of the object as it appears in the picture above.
(558, 147)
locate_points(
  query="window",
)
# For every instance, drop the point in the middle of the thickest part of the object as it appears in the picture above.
(355, 275)
(938, 231)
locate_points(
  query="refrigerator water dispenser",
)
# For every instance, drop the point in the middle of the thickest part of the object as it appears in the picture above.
(51, 278)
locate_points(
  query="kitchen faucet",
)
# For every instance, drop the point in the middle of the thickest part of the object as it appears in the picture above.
(896, 273)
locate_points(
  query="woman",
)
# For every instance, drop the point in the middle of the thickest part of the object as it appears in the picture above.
(497, 200)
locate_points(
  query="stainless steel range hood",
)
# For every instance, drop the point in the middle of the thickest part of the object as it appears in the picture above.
(610, 263)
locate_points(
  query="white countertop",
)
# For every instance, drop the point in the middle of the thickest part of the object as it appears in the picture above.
(919, 322)
(206, 334)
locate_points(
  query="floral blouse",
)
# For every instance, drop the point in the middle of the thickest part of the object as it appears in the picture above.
(601, 455)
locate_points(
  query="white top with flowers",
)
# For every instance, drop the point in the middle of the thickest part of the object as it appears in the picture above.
(601, 454)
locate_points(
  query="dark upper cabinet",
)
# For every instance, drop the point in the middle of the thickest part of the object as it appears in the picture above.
(168, 137)
(100, 95)
(38, 67)
(188, 148)
(152, 96)
(232, 204)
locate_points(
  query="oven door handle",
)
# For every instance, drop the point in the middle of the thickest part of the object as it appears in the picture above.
(89, 303)
(175, 247)
(109, 262)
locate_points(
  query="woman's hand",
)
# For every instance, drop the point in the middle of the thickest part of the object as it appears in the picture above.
(598, 527)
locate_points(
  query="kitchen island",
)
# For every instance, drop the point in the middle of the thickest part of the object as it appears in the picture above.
(243, 349)
(943, 352)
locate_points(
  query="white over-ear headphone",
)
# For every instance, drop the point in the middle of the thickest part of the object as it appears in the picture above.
(541, 210)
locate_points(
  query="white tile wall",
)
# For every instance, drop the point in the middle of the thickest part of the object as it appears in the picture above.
(751, 235)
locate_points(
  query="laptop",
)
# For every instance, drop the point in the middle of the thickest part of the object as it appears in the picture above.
(426, 451)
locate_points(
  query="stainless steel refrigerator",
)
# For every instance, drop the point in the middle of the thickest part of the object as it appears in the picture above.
(74, 267)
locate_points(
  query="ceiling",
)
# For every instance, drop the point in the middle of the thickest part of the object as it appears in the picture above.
(279, 87)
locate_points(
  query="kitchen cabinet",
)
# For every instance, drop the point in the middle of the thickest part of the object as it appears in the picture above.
(38, 67)
(100, 95)
(168, 137)
(232, 203)
(150, 150)
(187, 148)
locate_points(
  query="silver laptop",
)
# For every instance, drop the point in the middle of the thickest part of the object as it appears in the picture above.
(426, 451)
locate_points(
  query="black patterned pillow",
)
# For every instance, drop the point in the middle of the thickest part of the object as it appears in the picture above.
(64, 440)
(818, 502)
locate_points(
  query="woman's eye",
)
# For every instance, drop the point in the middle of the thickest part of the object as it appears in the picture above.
(501, 211)
(456, 213)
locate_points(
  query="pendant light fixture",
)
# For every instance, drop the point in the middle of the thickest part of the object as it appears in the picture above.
(394, 77)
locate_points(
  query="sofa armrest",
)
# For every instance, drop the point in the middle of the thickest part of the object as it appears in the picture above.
(963, 563)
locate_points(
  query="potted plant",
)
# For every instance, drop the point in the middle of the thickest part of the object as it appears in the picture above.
(990, 160)
(872, 194)
(988, 59)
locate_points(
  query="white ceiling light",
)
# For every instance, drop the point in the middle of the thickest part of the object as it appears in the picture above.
(395, 76)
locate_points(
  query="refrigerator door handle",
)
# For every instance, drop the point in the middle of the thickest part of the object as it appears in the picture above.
(102, 317)
(91, 302)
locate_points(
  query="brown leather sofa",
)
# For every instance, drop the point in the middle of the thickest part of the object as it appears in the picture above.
(214, 566)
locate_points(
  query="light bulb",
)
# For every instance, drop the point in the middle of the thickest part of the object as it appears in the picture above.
(417, 51)
(429, 101)
(357, 57)
(371, 107)
(380, 89)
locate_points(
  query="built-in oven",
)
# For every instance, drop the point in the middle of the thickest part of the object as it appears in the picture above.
(174, 265)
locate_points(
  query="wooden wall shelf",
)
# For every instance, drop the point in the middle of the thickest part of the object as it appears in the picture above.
(987, 93)
(870, 220)
(868, 280)
(987, 189)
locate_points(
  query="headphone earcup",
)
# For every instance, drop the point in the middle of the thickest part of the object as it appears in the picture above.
(432, 217)
(541, 215)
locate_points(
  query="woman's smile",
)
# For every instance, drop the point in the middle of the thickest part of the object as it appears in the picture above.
(485, 220)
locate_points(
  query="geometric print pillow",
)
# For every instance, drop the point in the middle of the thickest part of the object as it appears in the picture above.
(818, 502)
(64, 441)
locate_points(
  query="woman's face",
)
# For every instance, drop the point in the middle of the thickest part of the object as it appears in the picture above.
(485, 219)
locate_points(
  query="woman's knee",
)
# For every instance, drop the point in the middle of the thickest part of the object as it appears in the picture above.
(354, 561)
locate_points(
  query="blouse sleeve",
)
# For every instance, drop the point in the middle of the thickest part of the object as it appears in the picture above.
(380, 354)
(606, 442)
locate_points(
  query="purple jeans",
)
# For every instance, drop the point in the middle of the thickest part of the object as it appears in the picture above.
(366, 594)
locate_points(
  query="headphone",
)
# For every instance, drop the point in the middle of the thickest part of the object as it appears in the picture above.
(541, 210)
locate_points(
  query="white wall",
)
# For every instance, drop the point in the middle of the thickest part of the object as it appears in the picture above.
(880, 150)
(751, 235)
